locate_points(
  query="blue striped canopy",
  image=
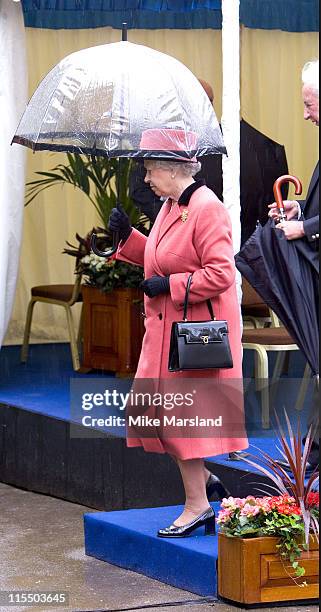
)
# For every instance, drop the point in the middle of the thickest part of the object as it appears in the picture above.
(288, 15)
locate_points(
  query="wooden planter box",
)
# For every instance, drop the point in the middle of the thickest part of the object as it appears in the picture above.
(113, 329)
(251, 572)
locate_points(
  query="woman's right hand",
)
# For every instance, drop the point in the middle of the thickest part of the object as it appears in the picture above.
(291, 208)
(119, 222)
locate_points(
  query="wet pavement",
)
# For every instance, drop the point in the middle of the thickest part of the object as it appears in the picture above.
(42, 549)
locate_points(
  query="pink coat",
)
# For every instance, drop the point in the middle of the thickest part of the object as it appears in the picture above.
(202, 244)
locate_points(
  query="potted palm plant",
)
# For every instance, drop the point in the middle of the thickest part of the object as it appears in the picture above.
(112, 301)
(96, 178)
(268, 546)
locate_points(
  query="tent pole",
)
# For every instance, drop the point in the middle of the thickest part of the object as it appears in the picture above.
(231, 117)
(124, 31)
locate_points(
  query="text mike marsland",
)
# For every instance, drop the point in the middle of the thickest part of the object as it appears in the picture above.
(174, 421)
(145, 421)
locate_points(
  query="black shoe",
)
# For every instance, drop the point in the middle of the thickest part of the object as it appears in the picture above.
(237, 456)
(215, 489)
(207, 519)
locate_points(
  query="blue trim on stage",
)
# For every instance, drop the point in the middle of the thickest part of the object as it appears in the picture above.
(128, 539)
(288, 15)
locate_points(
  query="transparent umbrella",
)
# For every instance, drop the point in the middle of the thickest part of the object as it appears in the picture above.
(100, 100)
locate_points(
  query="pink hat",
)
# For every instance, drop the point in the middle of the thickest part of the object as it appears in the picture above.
(164, 143)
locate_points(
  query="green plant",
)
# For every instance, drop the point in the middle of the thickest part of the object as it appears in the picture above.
(277, 516)
(96, 177)
(293, 514)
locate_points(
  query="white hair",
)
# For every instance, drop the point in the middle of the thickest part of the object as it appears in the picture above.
(186, 168)
(310, 75)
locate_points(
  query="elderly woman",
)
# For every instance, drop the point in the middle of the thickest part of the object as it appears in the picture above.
(192, 234)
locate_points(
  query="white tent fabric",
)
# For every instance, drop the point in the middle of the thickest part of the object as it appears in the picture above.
(231, 118)
(13, 98)
(231, 113)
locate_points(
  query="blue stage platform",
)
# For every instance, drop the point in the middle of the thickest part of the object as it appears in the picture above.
(128, 539)
(42, 384)
(37, 450)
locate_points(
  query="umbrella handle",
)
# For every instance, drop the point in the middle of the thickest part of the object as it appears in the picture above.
(109, 252)
(285, 178)
(113, 249)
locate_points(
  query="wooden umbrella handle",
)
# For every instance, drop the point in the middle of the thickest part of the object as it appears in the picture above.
(285, 178)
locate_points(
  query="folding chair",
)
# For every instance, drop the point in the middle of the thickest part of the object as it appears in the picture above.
(60, 295)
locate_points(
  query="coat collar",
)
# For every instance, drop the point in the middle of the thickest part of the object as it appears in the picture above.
(188, 192)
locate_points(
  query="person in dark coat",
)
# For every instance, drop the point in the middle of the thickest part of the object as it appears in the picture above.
(302, 222)
(262, 162)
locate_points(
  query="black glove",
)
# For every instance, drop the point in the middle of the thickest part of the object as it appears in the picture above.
(119, 222)
(155, 285)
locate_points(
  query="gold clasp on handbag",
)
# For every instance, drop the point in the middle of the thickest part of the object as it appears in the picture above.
(205, 339)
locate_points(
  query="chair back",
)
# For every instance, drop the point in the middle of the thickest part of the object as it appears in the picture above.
(254, 306)
(250, 297)
(76, 292)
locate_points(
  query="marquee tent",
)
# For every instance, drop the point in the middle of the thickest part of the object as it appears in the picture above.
(44, 17)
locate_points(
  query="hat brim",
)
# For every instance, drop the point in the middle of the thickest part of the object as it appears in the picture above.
(177, 156)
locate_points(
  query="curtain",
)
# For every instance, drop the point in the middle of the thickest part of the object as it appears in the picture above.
(288, 15)
(230, 123)
(143, 14)
(271, 63)
(271, 100)
(13, 92)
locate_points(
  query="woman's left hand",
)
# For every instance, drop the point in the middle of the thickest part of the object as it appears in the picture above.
(155, 285)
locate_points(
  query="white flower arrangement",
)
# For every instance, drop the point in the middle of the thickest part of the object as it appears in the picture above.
(95, 262)
(101, 273)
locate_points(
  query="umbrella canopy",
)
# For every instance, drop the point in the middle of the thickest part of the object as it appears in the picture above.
(285, 274)
(100, 100)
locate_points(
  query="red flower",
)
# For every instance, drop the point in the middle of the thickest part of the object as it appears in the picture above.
(288, 510)
(284, 504)
(313, 499)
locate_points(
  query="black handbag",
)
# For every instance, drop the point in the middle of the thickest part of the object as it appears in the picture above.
(199, 345)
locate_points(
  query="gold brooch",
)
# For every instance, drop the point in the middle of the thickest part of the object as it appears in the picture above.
(184, 215)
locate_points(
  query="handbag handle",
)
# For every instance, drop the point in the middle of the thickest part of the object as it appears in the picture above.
(208, 302)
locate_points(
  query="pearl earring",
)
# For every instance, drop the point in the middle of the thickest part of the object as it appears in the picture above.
(173, 176)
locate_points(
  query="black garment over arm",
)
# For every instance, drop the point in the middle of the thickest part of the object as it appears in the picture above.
(310, 208)
(141, 193)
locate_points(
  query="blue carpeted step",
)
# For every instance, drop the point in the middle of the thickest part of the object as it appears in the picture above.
(127, 538)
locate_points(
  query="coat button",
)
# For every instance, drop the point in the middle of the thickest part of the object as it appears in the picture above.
(317, 236)
(313, 236)
(160, 316)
